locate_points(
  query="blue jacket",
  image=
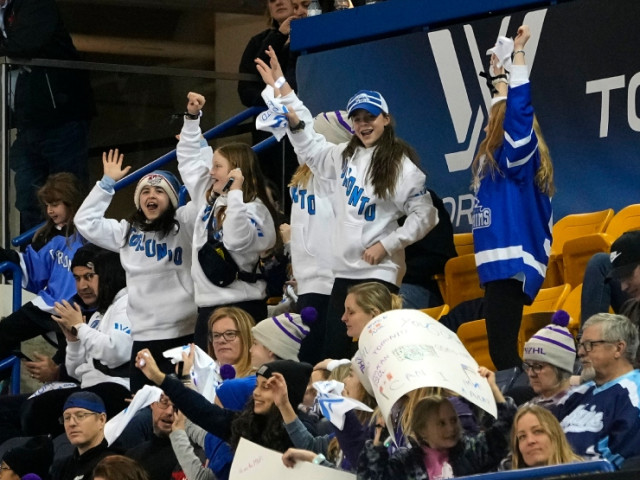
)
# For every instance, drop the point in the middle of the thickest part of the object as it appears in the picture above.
(512, 218)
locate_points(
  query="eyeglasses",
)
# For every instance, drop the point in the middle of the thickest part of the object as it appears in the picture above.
(78, 417)
(534, 367)
(229, 336)
(165, 403)
(588, 344)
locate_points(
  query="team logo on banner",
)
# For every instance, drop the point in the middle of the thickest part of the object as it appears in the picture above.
(467, 118)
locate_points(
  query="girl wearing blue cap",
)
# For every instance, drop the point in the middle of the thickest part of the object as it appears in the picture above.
(155, 252)
(377, 182)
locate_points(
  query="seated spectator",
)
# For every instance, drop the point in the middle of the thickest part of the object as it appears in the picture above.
(549, 356)
(45, 265)
(279, 338)
(439, 449)
(34, 457)
(259, 421)
(98, 347)
(538, 440)
(612, 279)
(119, 467)
(156, 455)
(84, 416)
(602, 417)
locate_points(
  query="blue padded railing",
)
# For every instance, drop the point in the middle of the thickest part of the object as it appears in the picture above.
(547, 472)
(133, 177)
(12, 361)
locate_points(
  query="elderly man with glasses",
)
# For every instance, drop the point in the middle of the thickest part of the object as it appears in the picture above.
(602, 417)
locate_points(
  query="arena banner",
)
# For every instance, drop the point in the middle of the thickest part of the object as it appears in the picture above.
(254, 462)
(585, 75)
(403, 350)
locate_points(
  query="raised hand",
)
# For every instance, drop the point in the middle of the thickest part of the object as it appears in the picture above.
(112, 165)
(269, 73)
(148, 365)
(195, 102)
(522, 37)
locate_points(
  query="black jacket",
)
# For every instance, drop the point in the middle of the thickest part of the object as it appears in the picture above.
(45, 96)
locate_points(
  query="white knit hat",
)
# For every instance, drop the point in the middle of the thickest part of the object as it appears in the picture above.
(553, 344)
(159, 178)
(284, 334)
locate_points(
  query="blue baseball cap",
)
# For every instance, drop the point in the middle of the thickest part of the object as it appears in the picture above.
(369, 100)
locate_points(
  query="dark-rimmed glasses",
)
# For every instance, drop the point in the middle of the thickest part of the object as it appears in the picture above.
(588, 344)
(229, 336)
(534, 367)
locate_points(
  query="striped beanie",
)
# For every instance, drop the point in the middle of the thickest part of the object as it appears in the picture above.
(284, 334)
(159, 178)
(553, 344)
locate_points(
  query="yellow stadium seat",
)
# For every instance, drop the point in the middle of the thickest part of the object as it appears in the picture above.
(567, 228)
(460, 281)
(473, 336)
(463, 243)
(573, 307)
(436, 312)
(577, 252)
(539, 313)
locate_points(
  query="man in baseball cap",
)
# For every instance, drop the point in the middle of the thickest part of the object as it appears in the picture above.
(611, 279)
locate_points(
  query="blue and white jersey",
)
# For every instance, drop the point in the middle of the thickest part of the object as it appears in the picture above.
(512, 218)
(604, 421)
(47, 271)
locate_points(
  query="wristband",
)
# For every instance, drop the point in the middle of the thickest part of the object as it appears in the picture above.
(193, 116)
(280, 82)
(319, 459)
(518, 51)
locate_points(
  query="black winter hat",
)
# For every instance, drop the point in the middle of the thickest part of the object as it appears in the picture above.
(35, 456)
(296, 374)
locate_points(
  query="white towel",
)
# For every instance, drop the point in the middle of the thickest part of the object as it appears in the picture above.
(333, 405)
(205, 374)
(273, 119)
(145, 396)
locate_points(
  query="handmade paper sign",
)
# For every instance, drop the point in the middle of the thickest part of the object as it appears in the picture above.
(402, 350)
(253, 462)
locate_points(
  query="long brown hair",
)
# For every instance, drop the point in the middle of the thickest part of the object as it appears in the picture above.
(242, 156)
(60, 187)
(243, 322)
(386, 162)
(560, 448)
(119, 467)
(485, 163)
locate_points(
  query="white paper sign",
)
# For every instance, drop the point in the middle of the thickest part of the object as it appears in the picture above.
(253, 462)
(402, 350)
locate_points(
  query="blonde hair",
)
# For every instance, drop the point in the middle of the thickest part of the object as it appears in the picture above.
(485, 163)
(424, 409)
(561, 451)
(302, 176)
(243, 322)
(374, 297)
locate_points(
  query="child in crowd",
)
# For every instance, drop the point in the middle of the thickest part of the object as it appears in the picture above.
(513, 185)
(439, 448)
(235, 221)
(377, 181)
(537, 440)
(46, 265)
(155, 251)
(311, 225)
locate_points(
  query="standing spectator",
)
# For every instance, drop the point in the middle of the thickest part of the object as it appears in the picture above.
(155, 251)
(84, 417)
(513, 183)
(377, 181)
(51, 106)
(232, 213)
(602, 417)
